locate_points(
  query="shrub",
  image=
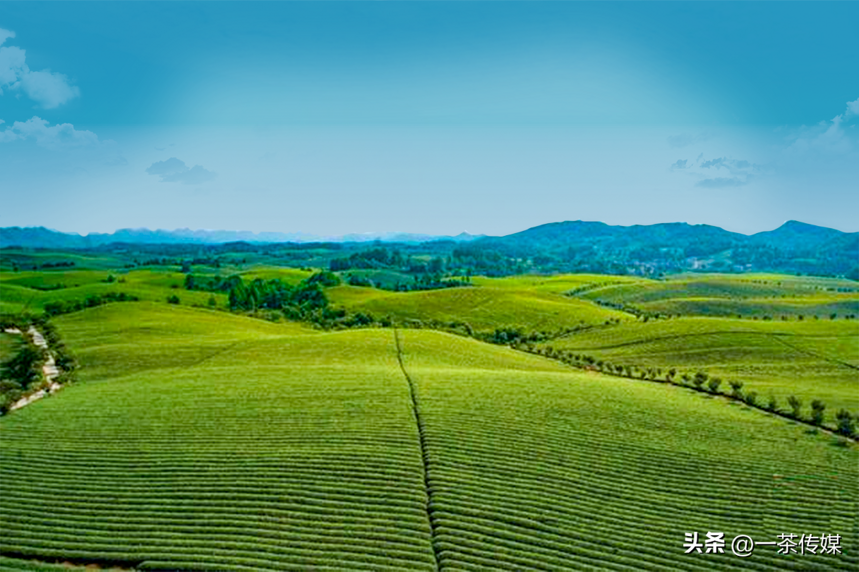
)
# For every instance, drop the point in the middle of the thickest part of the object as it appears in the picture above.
(714, 384)
(699, 379)
(817, 409)
(845, 423)
(174, 299)
(737, 389)
(772, 404)
(324, 278)
(795, 406)
(25, 367)
(751, 398)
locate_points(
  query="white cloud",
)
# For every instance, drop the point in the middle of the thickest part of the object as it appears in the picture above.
(48, 136)
(709, 173)
(174, 170)
(49, 89)
(722, 182)
(5, 35)
(828, 136)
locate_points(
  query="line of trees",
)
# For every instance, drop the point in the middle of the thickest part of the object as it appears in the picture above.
(703, 382)
(22, 373)
(68, 306)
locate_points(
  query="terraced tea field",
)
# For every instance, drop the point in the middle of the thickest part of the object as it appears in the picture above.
(809, 359)
(753, 295)
(31, 291)
(275, 447)
(482, 308)
(270, 454)
(534, 468)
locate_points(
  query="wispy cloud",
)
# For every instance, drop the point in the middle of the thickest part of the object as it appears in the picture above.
(174, 170)
(708, 172)
(828, 136)
(48, 136)
(49, 89)
(721, 182)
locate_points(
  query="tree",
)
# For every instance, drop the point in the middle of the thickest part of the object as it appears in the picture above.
(772, 404)
(174, 299)
(212, 302)
(817, 408)
(751, 398)
(737, 389)
(845, 423)
(324, 278)
(25, 367)
(795, 406)
(714, 385)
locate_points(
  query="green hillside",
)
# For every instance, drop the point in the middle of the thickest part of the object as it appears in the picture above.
(482, 308)
(231, 462)
(815, 359)
(745, 295)
(31, 291)
(559, 284)
(539, 470)
(270, 447)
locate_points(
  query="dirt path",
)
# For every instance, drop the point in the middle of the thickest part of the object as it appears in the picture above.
(50, 371)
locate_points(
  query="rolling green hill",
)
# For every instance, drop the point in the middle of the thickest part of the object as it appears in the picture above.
(535, 469)
(752, 295)
(30, 291)
(482, 308)
(816, 359)
(228, 462)
(273, 448)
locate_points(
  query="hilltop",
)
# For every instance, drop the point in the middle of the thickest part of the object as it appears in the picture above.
(559, 247)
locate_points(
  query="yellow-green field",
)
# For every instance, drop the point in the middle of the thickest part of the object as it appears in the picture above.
(482, 308)
(753, 295)
(25, 291)
(199, 439)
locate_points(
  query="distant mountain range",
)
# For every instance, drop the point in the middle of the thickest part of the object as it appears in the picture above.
(579, 246)
(41, 237)
(792, 235)
(571, 246)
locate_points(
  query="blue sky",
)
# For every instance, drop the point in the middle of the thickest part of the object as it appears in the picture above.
(433, 117)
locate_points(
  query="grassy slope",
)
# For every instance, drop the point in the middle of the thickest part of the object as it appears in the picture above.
(481, 307)
(559, 284)
(27, 258)
(732, 295)
(17, 294)
(288, 275)
(267, 454)
(288, 450)
(535, 468)
(810, 359)
(19, 565)
(131, 337)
